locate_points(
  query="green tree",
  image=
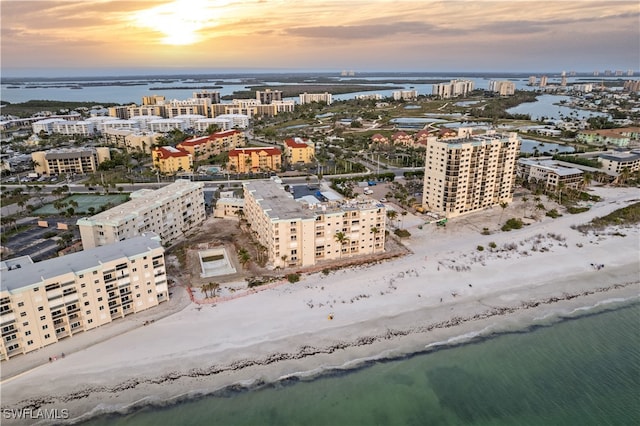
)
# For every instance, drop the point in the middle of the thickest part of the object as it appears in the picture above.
(342, 239)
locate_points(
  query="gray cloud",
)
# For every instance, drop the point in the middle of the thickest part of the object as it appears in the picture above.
(370, 31)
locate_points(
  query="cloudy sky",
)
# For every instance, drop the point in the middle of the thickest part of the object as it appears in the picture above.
(78, 37)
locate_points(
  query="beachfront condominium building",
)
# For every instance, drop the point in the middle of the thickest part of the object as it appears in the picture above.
(469, 173)
(254, 159)
(548, 174)
(69, 160)
(170, 212)
(502, 87)
(452, 89)
(203, 147)
(307, 98)
(299, 151)
(616, 162)
(302, 234)
(44, 302)
(267, 96)
(170, 160)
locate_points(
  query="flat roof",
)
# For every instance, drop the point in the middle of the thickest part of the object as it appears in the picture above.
(141, 201)
(276, 202)
(33, 274)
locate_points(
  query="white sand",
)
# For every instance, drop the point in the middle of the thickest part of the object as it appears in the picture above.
(446, 277)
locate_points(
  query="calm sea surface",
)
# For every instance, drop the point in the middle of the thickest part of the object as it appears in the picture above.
(582, 370)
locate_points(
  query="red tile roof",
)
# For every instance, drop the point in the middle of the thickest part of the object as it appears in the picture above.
(270, 151)
(169, 151)
(292, 143)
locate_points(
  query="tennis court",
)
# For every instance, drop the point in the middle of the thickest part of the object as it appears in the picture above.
(98, 202)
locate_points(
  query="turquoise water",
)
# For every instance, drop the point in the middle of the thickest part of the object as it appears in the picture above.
(579, 371)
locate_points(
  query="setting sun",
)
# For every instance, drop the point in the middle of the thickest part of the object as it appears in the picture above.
(180, 21)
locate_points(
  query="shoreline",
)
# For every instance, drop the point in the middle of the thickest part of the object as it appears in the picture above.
(309, 362)
(444, 292)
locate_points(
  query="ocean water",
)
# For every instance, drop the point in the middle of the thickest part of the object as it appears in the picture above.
(583, 369)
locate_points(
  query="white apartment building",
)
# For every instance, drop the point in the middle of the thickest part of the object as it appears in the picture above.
(303, 234)
(44, 302)
(190, 119)
(241, 121)
(307, 98)
(45, 126)
(452, 89)
(405, 95)
(164, 125)
(70, 128)
(170, 212)
(469, 174)
(502, 87)
(119, 125)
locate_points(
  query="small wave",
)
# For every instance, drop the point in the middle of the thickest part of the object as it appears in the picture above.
(461, 338)
(601, 303)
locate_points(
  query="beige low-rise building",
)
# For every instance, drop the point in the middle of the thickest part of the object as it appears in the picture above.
(303, 233)
(203, 147)
(171, 160)
(549, 174)
(170, 212)
(254, 159)
(616, 162)
(69, 160)
(470, 173)
(44, 302)
(229, 208)
(299, 150)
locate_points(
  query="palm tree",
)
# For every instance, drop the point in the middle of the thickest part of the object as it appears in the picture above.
(214, 287)
(504, 206)
(586, 179)
(392, 214)
(524, 206)
(540, 206)
(204, 288)
(244, 257)
(560, 189)
(342, 239)
(403, 214)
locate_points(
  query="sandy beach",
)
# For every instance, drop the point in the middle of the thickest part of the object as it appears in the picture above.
(444, 291)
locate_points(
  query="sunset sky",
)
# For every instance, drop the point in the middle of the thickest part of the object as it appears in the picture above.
(108, 37)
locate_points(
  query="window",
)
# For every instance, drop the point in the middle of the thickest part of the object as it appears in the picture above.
(149, 291)
(96, 281)
(29, 342)
(88, 312)
(99, 299)
(84, 294)
(86, 303)
(27, 333)
(89, 321)
(36, 289)
(102, 308)
(20, 304)
(44, 327)
(42, 318)
(83, 285)
(23, 314)
(46, 336)
(40, 308)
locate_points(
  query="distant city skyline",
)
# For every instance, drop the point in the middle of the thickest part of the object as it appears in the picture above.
(77, 38)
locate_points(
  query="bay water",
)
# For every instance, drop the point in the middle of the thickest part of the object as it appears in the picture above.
(577, 369)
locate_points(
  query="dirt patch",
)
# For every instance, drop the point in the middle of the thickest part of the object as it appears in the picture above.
(184, 263)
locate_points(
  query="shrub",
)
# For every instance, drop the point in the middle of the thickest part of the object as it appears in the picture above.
(576, 210)
(326, 271)
(402, 233)
(485, 231)
(49, 234)
(492, 245)
(513, 223)
(293, 278)
(480, 248)
(553, 213)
